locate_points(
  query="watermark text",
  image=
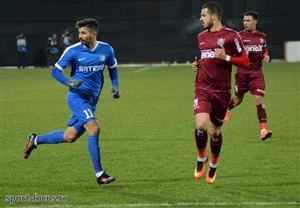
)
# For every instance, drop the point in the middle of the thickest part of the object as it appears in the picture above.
(11, 199)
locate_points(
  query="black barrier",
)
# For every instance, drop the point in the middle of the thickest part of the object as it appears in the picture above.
(139, 30)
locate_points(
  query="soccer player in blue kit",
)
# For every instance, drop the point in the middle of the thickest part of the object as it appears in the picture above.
(88, 59)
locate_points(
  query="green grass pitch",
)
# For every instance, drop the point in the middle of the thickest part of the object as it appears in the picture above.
(147, 142)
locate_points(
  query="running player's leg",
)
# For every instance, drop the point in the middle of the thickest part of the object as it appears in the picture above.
(234, 101)
(241, 87)
(93, 129)
(74, 131)
(262, 117)
(219, 105)
(216, 140)
(83, 117)
(55, 137)
(70, 135)
(84, 109)
(202, 108)
(202, 124)
(257, 89)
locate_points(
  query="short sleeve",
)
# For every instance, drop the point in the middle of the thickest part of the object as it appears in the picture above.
(237, 45)
(65, 59)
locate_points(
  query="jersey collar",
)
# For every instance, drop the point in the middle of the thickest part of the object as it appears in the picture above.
(221, 29)
(93, 48)
(252, 31)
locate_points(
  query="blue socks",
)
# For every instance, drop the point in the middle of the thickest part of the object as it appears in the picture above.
(57, 137)
(93, 146)
(53, 137)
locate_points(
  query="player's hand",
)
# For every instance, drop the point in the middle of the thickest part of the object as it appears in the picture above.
(115, 92)
(220, 53)
(75, 84)
(195, 65)
(266, 59)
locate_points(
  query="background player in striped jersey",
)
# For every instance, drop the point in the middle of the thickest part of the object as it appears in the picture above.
(252, 79)
(88, 59)
(220, 47)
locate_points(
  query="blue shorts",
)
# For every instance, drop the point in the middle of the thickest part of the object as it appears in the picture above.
(83, 110)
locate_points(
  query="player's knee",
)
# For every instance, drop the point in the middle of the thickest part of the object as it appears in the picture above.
(215, 131)
(70, 138)
(258, 101)
(92, 127)
(202, 121)
(94, 130)
(203, 126)
(237, 100)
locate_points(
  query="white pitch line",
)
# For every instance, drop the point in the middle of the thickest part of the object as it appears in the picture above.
(143, 69)
(167, 204)
(287, 93)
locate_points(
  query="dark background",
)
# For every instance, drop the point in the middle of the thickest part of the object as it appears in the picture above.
(139, 30)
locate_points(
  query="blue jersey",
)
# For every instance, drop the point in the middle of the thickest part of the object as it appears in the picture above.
(88, 65)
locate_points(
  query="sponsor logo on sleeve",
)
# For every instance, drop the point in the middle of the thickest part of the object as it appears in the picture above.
(237, 44)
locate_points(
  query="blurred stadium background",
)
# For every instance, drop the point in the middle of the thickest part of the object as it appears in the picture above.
(141, 31)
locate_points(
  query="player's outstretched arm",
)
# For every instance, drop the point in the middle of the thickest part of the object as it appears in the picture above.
(57, 74)
(113, 73)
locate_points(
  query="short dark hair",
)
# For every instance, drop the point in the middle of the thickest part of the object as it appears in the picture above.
(90, 23)
(253, 14)
(214, 8)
